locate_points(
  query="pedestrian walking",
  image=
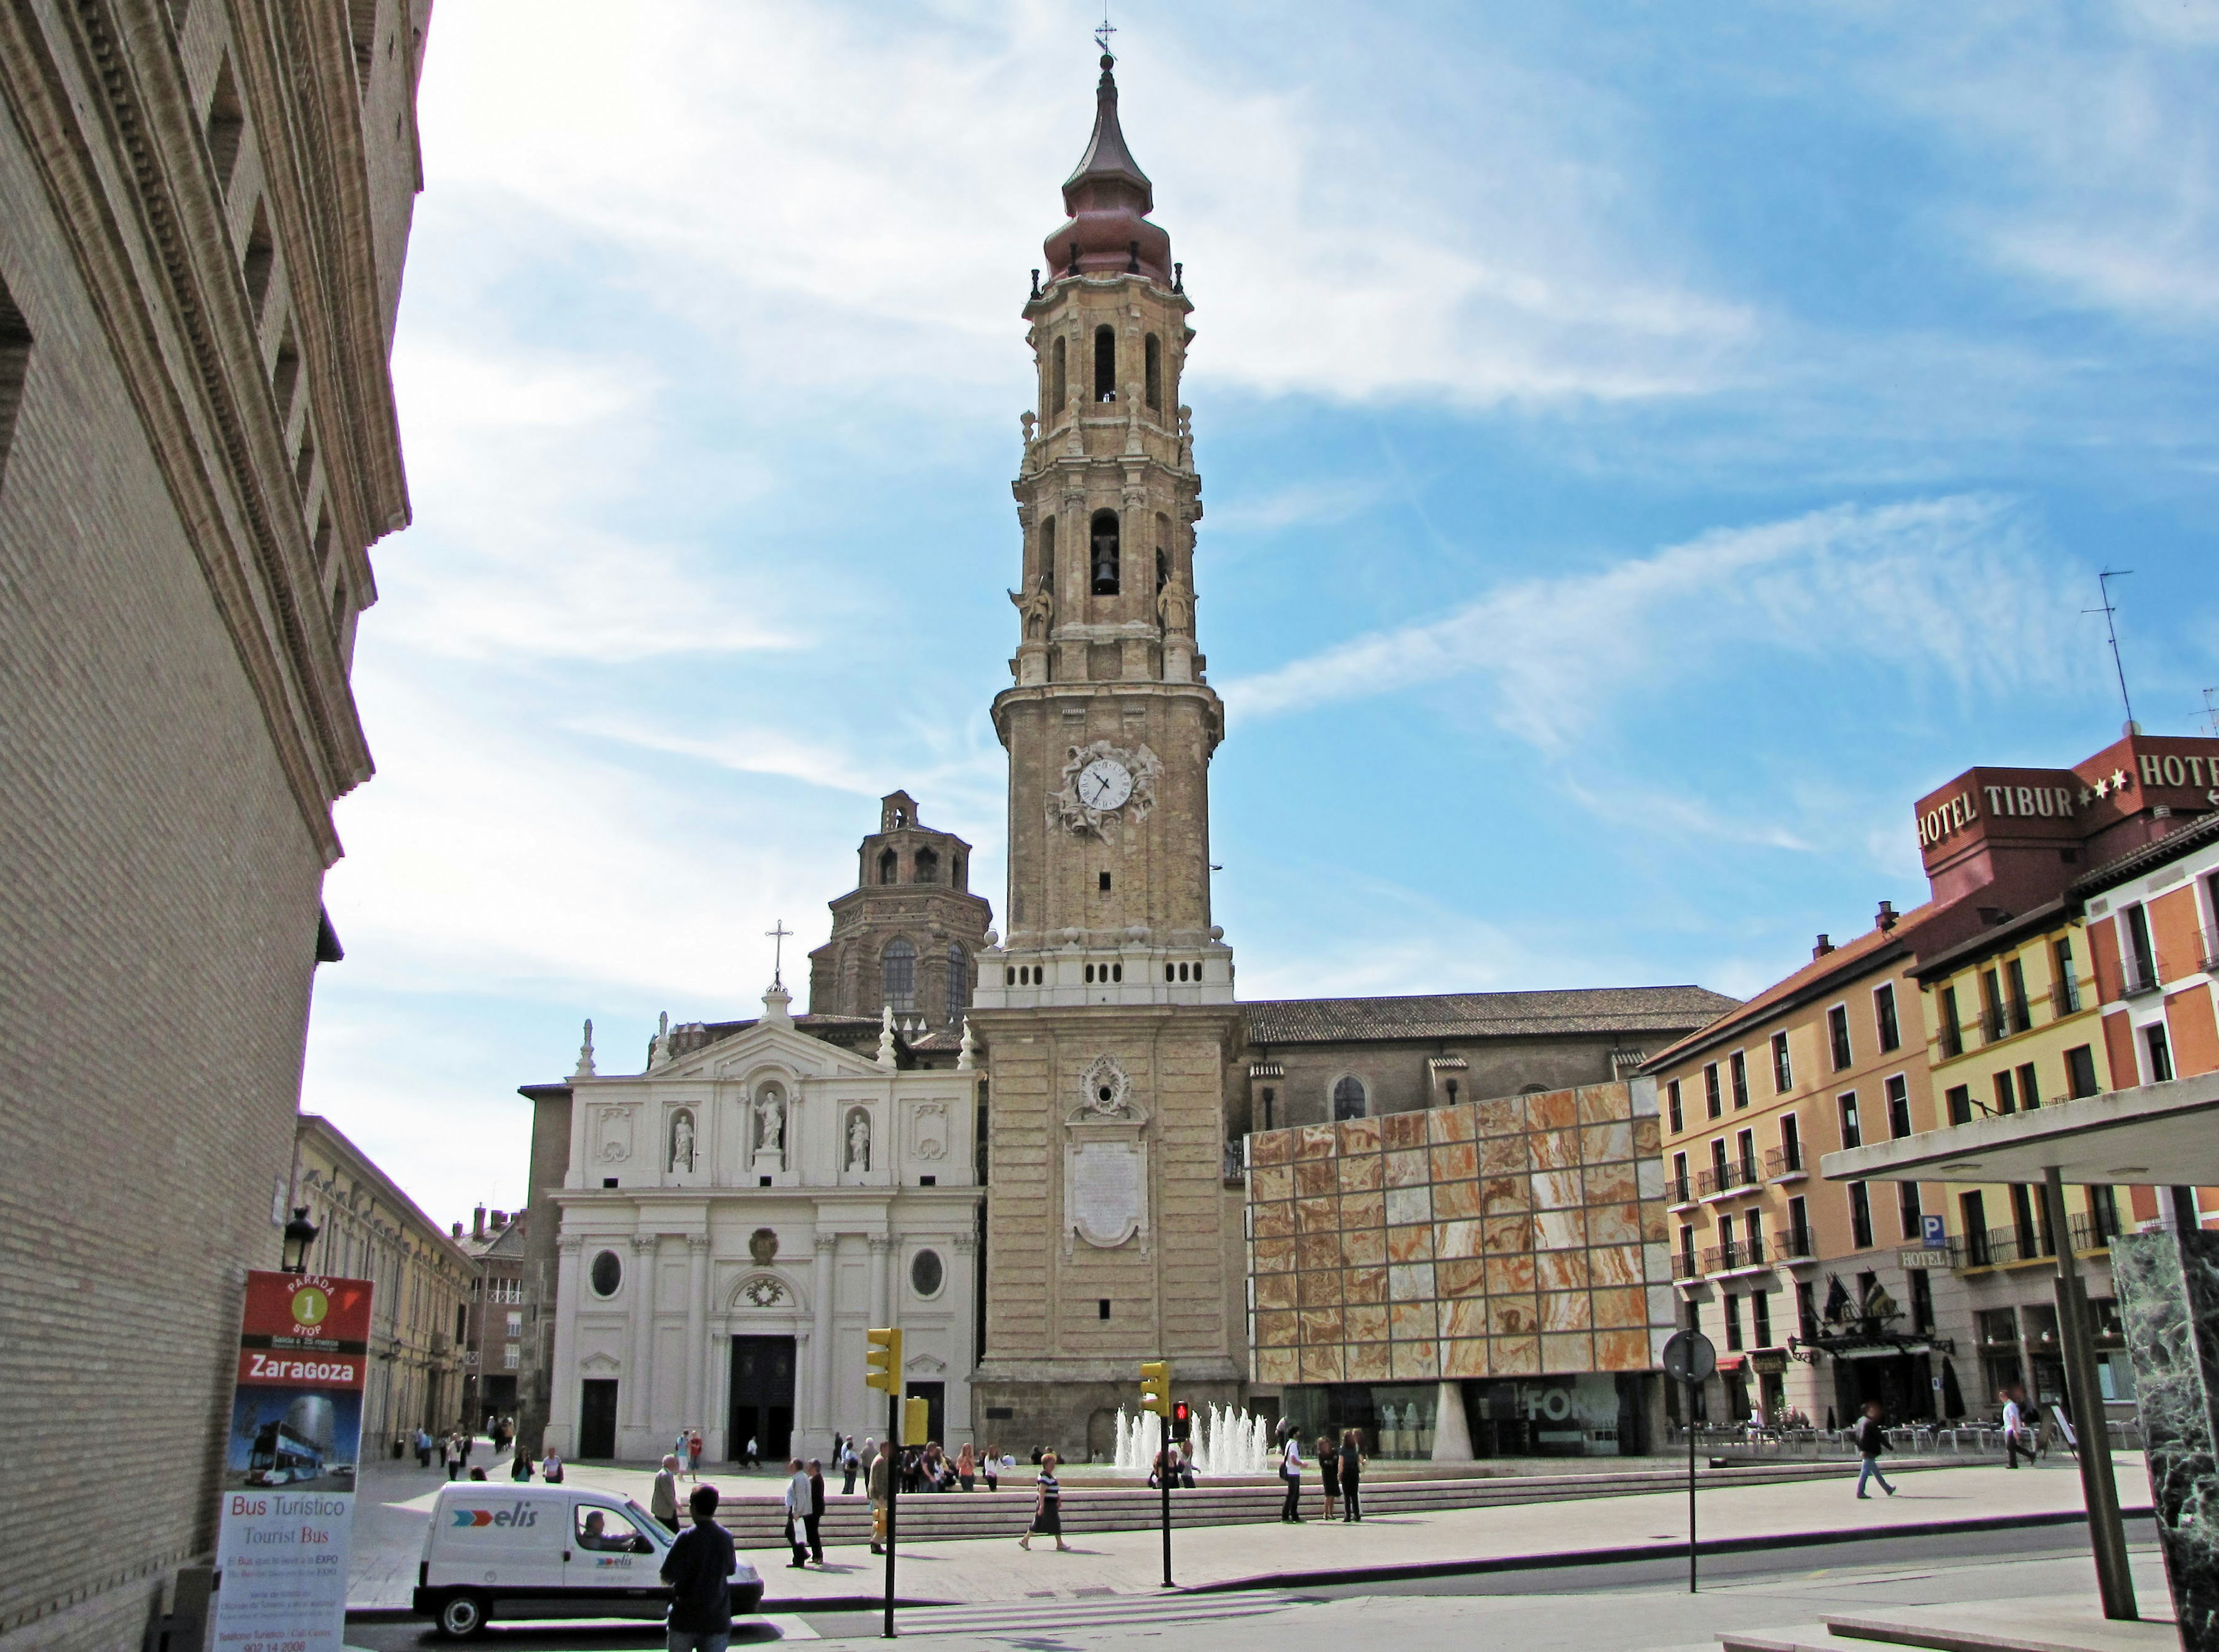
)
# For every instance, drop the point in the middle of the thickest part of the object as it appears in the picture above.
(423, 1447)
(796, 1513)
(848, 1467)
(878, 1478)
(1352, 1471)
(519, 1465)
(698, 1570)
(693, 1452)
(663, 1501)
(677, 1450)
(551, 1469)
(1291, 1472)
(466, 1438)
(816, 1509)
(1047, 1508)
(1328, 1473)
(449, 1456)
(754, 1454)
(2018, 1437)
(1872, 1440)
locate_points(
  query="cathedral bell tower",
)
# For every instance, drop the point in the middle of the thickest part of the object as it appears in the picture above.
(1108, 1012)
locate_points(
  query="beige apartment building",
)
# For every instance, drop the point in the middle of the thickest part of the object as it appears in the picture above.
(204, 209)
(368, 1228)
(1803, 1288)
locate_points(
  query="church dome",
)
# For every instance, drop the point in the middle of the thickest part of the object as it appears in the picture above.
(1108, 198)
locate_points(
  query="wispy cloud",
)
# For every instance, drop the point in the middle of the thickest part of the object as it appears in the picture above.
(1921, 585)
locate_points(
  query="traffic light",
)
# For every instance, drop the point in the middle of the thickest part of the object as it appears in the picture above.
(916, 1420)
(1182, 1420)
(882, 1361)
(1156, 1386)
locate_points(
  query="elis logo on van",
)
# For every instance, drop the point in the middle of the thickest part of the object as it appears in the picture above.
(522, 1515)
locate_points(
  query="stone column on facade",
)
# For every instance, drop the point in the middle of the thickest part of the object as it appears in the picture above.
(819, 1411)
(697, 1326)
(561, 1391)
(2169, 1289)
(635, 1394)
(882, 1252)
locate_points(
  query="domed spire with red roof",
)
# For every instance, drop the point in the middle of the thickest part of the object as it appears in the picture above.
(1108, 198)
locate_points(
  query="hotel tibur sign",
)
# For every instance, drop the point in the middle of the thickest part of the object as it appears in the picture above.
(291, 1464)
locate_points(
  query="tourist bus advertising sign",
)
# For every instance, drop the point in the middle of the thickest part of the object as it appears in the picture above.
(289, 1464)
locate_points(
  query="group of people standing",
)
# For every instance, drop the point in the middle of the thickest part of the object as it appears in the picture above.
(1341, 1474)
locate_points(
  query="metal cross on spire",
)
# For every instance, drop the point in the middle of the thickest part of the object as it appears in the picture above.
(777, 937)
(1102, 35)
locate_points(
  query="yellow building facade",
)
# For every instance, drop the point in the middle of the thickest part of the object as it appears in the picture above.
(368, 1228)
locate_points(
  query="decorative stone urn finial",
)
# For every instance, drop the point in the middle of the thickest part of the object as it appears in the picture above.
(585, 1055)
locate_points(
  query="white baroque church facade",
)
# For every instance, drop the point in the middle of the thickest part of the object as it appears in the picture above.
(737, 1215)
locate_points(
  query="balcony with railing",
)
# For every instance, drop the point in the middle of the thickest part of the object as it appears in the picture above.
(2210, 948)
(1785, 1164)
(1679, 1190)
(2137, 975)
(1991, 1023)
(2064, 998)
(1721, 1181)
(1236, 1164)
(2005, 1247)
(1793, 1246)
(2018, 1018)
(1953, 1040)
(2092, 1233)
(1686, 1267)
(1743, 1255)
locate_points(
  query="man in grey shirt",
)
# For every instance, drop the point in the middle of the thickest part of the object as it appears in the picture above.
(663, 1501)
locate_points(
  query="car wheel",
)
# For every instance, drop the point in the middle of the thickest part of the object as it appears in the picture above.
(462, 1615)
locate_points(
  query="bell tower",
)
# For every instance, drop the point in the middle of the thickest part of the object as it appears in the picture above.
(1110, 723)
(1108, 1012)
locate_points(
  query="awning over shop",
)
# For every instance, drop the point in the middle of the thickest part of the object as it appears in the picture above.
(2151, 1135)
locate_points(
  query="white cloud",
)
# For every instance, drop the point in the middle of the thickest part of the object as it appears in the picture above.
(829, 191)
(1925, 586)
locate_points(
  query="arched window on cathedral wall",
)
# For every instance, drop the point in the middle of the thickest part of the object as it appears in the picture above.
(898, 975)
(1105, 363)
(1155, 372)
(928, 867)
(959, 981)
(1059, 375)
(889, 866)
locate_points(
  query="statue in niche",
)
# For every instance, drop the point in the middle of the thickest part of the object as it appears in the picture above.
(682, 1139)
(770, 1123)
(1037, 611)
(1175, 604)
(859, 1141)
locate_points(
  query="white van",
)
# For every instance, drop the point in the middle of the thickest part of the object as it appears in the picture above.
(547, 1551)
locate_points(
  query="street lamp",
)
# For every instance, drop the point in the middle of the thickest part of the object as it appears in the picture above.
(299, 1235)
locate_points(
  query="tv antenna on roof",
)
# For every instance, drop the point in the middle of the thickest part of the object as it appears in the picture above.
(2211, 710)
(2111, 626)
(1102, 35)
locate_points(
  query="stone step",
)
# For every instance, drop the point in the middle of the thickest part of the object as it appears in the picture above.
(933, 1516)
(1799, 1637)
(2064, 1624)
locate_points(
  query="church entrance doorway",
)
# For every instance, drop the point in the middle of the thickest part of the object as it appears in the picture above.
(762, 1398)
(597, 1417)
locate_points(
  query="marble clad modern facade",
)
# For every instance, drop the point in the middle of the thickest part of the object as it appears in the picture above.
(1518, 1236)
(735, 1218)
(2168, 1284)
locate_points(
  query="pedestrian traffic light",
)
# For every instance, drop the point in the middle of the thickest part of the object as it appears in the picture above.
(916, 1420)
(1182, 1420)
(882, 1361)
(1156, 1386)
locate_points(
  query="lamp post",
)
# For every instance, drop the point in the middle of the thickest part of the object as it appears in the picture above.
(300, 1238)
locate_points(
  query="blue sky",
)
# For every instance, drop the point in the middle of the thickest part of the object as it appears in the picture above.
(1644, 450)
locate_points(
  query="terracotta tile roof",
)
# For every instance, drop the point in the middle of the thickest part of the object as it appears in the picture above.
(1484, 1014)
(1853, 956)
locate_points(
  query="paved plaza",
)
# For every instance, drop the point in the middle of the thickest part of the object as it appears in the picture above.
(396, 1502)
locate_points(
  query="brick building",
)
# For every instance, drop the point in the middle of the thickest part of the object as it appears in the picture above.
(907, 937)
(204, 207)
(497, 1331)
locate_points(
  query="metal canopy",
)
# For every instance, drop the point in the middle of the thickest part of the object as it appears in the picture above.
(2162, 1135)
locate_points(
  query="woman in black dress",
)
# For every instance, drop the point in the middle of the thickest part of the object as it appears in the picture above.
(1047, 1512)
(1329, 1472)
(1351, 1470)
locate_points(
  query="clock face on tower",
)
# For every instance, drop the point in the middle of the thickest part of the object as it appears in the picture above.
(1104, 784)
